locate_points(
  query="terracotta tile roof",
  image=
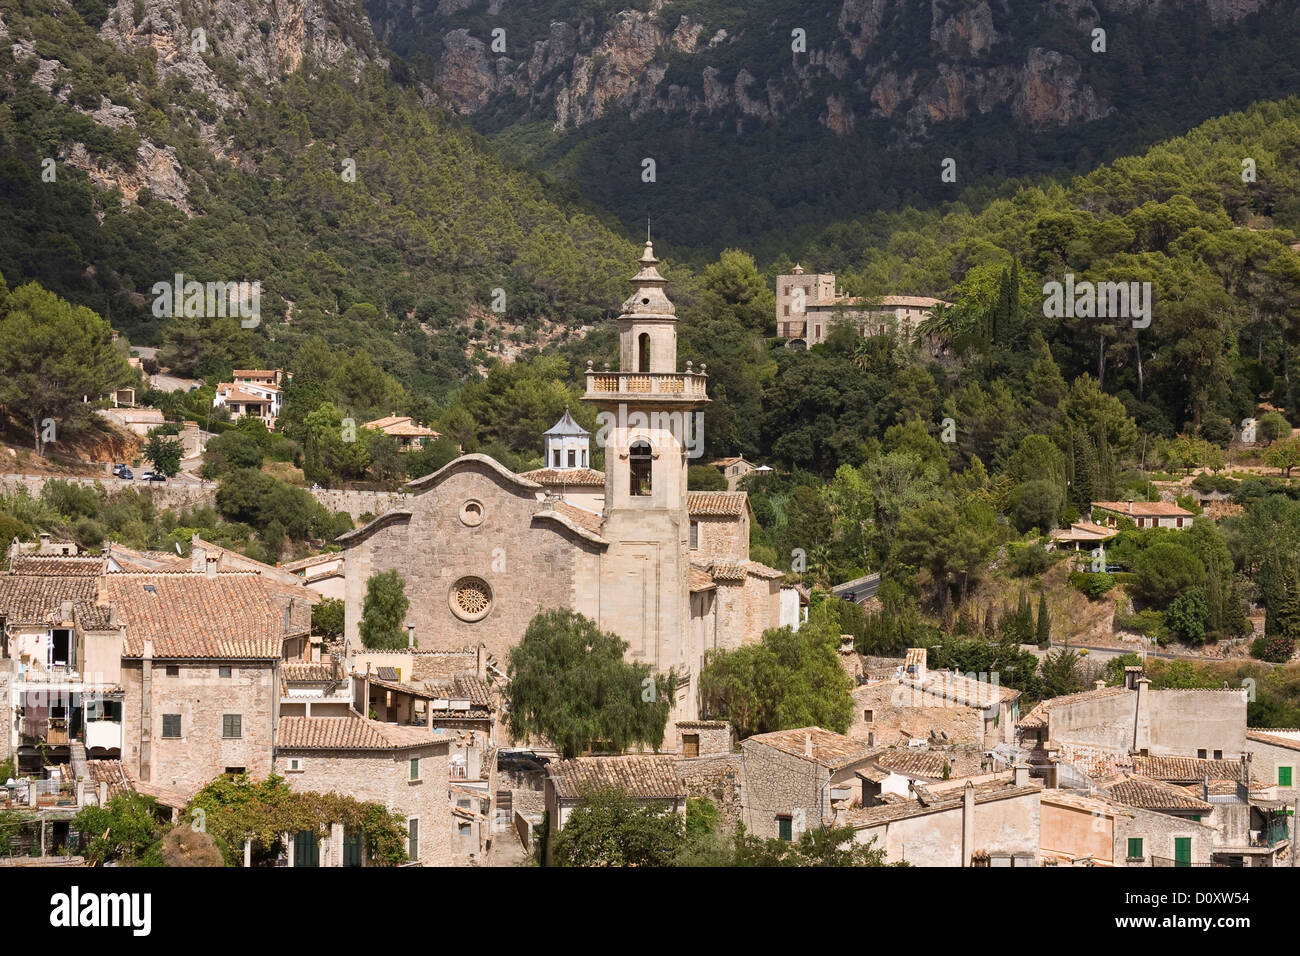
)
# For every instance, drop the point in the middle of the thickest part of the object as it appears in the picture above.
(917, 763)
(1148, 794)
(270, 373)
(1269, 736)
(579, 516)
(1145, 509)
(38, 598)
(403, 426)
(588, 477)
(758, 569)
(463, 687)
(231, 615)
(110, 772)
(59, 565)
(1186, 769)
(703, 724)
(352, 732)
(912, 301)
(644, 777)
(723, 504)
(828, 749)
(1037, 717)
(233, 394)
(700, 580)
(309, 672)
(726, 571)
(960, 689)
(860, 817)
(311, 561)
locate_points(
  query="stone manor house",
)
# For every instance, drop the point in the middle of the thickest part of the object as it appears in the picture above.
(807, 305)
(482, 549)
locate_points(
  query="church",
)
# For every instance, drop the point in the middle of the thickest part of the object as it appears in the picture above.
(483, 549)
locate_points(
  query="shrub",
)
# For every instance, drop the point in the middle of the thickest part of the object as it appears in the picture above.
(1276, 649)
(1092, 584)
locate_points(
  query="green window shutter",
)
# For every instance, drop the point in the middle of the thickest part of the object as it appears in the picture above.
(415, 768)
(1135, 848)
(785, 828)
(1284, 776)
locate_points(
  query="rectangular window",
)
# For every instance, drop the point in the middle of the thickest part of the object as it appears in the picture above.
(234, 771)
(295, 763)
(415, 768)
(224, 672)
(690, 745)
(785, 828)
(555, 458)
(1135, 848)
(173, 670)
(413, 839)
(695, 535)
(868, 716)
(1284, 776)
(1201, 754)
(1218, 755)
(232, 725)
(171, 725)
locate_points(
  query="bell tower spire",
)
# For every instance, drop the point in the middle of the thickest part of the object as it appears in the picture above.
(648, 323)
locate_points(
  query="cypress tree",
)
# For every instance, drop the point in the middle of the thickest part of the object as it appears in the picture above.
(1044, 629)
(1085, 470)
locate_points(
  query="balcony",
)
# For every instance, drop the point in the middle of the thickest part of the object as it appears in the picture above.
(686, 387)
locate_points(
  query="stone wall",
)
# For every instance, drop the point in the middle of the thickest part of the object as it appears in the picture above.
(721, 779)
(176, 494)
(721, 538)
(1007, 826)
(1158, 832)
(528, 565)
(1185, 721)
(201, 697)
(900, 713)
(384, 777)
(779, 784)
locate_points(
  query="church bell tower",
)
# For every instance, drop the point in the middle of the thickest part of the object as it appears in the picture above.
(650, 426)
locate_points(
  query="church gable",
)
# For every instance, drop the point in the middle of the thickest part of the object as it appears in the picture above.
(476, 563)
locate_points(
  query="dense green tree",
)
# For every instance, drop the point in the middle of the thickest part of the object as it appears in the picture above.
(327, 618)
(790, 679)
(53, 356)
(383, 614)
(165, 453)
(1165, 570)
(609, 828)
(570, 684)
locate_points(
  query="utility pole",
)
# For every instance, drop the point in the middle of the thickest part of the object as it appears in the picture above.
(1295, 826)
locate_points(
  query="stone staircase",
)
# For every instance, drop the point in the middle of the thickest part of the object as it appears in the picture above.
(78, 760)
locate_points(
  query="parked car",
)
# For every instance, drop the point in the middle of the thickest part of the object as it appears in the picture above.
(154, 476)
(125, 474)
(117, 470)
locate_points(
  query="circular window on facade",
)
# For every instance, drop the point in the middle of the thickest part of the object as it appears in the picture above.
(471, 513)
(470, 599)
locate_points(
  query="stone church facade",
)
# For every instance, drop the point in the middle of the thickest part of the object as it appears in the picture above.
(482, 549)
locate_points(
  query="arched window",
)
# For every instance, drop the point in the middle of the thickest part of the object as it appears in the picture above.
(640, 461)
(643, 352)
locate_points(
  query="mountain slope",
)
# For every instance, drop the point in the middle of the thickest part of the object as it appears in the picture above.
(752, 138)
(279, 150)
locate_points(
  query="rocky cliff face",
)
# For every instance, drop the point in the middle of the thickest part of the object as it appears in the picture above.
(873, 59)
(267, 38)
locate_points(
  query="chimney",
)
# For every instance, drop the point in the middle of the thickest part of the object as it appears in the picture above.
(1020, 774)
(1131, 676)
(1130, 507)
(1142, 718)
(807, 745)
(288, 616)
(45, 542)
(410, 636)
(1099, 685)
(967, 823)
(210, 562)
